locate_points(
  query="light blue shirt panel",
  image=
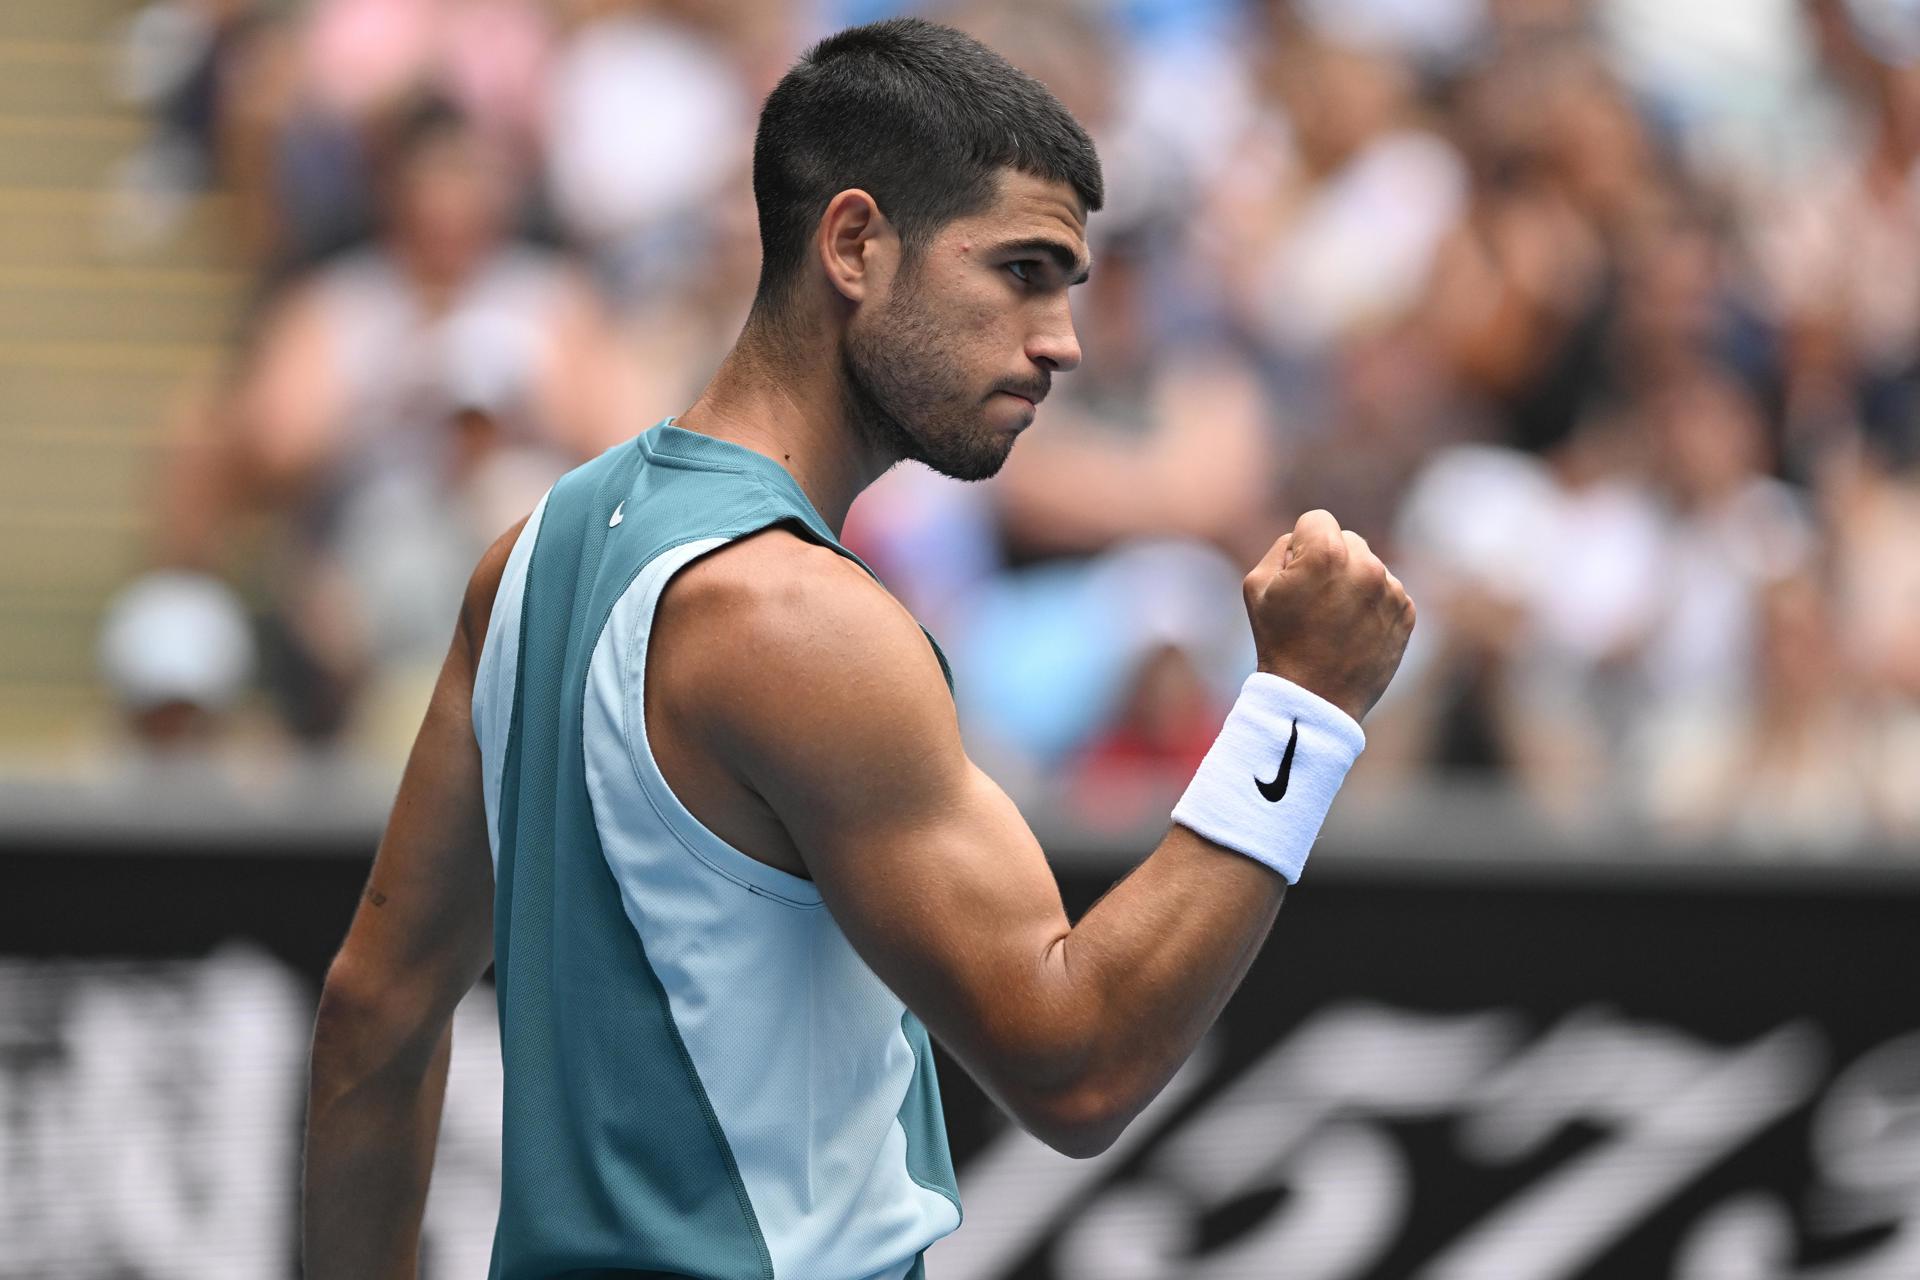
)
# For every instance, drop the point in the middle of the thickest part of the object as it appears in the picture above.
(498, 671)
(798, 1044)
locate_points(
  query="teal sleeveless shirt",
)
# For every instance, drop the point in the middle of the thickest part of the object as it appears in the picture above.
(702, 1077)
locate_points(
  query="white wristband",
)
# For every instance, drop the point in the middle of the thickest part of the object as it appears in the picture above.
(1269, 778)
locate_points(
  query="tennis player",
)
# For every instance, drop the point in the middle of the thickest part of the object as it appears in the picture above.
(692, 781)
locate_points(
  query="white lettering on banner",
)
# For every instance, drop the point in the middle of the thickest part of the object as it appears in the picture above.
(1866, 1134)
(1674, 1107)
(1311, 1116)
(148, 1116)
(1310, 1124)
(1866, 1148)
(150, 1111)
(1350, 1190)
(1298, 1118)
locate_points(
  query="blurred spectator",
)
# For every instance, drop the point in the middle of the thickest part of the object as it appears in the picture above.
(1599, 318)
(177, 652)
(1327, 222)
(1062, 664)
(1179, 659)
(412, 399)
(1841, 251)
(179, 59)
(1537, 578)
(315, 87)
(1734, 529)
(649, 125)
(1874, 511)
(1807, 766)
(1390, 406)
(1519, 300)
(650, 130)
(486, 57)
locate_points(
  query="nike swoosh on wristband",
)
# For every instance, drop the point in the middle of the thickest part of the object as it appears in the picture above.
(1278, 787)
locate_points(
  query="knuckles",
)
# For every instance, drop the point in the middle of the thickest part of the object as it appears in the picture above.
(1325, 557)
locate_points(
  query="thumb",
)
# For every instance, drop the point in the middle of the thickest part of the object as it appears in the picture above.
(1277, 555)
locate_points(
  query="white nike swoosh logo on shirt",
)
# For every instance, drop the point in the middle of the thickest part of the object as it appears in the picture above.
(617, 517)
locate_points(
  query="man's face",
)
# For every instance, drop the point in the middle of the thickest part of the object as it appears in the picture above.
(947, 365)
(449, 203)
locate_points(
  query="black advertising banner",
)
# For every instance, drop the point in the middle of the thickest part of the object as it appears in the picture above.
(1448, 1073)
(1511, 1076)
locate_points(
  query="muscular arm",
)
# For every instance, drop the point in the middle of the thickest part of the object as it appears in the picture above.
(423, 934)
(820, 693)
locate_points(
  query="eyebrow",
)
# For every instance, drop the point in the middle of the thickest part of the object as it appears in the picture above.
(1061, 255)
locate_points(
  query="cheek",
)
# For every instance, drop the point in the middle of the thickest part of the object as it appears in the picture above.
(989, 307)
(951, 337)
(984, 330)
(966, 302)
(951, 342)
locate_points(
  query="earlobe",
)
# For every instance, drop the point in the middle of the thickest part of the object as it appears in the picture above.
(850, 241)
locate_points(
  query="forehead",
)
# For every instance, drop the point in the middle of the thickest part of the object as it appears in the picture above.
(1025, 206)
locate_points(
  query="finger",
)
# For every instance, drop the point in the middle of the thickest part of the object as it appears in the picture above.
(1317, 531)
(1277, 555)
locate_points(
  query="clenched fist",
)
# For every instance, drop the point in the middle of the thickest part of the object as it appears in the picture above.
(1327, 615)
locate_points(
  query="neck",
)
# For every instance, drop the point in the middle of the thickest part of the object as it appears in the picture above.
(784, 397)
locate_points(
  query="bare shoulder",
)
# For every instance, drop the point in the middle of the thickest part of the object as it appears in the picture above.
(775, 590)
(777, 634)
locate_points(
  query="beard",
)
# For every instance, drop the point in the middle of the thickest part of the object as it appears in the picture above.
(908, 398)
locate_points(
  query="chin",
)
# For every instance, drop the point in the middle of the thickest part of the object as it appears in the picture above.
(975, 468)
(979, 458)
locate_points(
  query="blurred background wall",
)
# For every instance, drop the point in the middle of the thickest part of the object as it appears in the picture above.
(1600, 319)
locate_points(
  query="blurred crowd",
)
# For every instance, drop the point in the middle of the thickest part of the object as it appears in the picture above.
(1599, 319)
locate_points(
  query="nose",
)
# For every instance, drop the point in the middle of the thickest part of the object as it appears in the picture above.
(1054, 345)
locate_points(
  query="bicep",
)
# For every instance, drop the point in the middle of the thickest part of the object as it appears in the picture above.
(926, 864)
(938, 882)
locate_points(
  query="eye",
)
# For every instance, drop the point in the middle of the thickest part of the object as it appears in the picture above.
(1023, 270)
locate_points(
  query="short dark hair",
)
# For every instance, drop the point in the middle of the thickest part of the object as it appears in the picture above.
(922, 118)
(413, 125)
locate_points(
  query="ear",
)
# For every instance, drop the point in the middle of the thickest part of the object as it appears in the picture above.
(856, 244)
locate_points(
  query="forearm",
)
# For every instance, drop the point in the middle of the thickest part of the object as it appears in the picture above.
(1147, 971)
(1138, 981)
(372, 1122)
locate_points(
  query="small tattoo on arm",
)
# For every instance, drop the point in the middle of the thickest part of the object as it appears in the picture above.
(377, 898)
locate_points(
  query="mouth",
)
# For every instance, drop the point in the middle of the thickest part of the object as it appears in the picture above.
(1032, 401)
